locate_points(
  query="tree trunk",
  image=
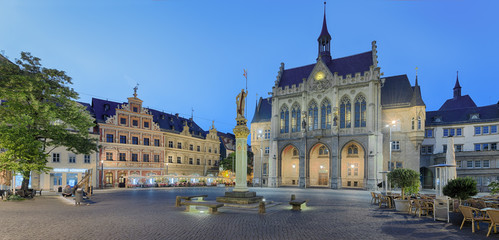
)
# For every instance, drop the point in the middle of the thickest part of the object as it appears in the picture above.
(25, 183)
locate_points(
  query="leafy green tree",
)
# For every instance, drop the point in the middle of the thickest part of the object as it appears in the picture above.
(39, 113)
(227, 162)
(494, 188)
(405, 179)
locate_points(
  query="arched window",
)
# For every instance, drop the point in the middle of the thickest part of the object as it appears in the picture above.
(326, 115)
(345, 113)
(295, 119)
(419, 123)
(353, 150)
(313, 116)
(323, 151)
(109, 178)
(412, 124)
(295, 152)
(284, 119)
(360, 111)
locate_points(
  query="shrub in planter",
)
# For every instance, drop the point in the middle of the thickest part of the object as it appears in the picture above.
(405, 179)
(461, 188)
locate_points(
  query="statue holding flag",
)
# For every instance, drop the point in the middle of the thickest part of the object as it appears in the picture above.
(241, 101)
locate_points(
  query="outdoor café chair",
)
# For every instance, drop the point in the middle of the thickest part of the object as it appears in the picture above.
(374, 198)
(494, 220)
(472, 214)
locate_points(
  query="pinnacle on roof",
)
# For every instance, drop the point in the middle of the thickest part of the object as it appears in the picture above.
(457, 87)
(324, 33)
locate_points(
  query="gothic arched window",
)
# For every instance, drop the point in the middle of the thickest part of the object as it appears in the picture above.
(326, 115)
(323, 151)
(295, 119)
(412, 124)
(360, 111)
(345, 113)
(419, 123)
(313, 116)
(284, 119)
(353, 150)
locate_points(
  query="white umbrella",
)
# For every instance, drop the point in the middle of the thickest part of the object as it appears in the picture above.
(450, 159)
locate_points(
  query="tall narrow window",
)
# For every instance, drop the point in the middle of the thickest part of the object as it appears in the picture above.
(412, 124)
(360, 111)
(295, 119)
(345, 113)
(326, 115)
(313, 116)
(419, 123)
(284, 119)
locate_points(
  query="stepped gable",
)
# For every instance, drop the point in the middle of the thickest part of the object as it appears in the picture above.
(166, 121)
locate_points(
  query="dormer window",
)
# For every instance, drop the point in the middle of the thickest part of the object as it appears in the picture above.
(474, 116)
(437, 119)
(105, 117)
(106, 107)
(162, 116)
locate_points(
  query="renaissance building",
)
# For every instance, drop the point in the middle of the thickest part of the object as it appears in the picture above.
(330, 123)
(144, 146)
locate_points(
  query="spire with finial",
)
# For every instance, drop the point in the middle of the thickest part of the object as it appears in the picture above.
(416, 99)
(135, 90)
(416, 84)
(457, 87)
(324, 40)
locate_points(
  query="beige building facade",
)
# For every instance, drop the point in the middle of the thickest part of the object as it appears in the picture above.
(331, 123)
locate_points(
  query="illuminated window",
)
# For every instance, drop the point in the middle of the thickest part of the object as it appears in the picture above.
(313, 116)
(360, 111)
(295, 121)
(326, 115)
(109, 178)
(345, 113)
(284, 120)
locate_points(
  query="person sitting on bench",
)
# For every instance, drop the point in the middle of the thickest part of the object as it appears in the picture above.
(67, 192)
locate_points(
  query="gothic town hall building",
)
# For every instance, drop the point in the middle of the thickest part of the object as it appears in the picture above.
(331, 123)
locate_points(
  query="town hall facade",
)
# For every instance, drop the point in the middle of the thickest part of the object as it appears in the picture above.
(331, 123)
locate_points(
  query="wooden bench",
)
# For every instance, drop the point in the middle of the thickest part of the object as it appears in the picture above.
(179, 199)
(212, 206)
(297, 204)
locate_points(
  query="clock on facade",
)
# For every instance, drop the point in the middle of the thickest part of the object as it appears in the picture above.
(319, 75)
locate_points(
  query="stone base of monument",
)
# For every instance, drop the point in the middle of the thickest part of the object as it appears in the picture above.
(240, 198)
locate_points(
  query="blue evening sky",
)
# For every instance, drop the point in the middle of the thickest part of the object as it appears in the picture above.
(191, 54)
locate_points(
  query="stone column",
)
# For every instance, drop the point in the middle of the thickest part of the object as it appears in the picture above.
(241, 131)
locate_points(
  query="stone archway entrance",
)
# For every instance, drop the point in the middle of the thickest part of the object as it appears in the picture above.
(319, 166)
(352, 166)
(290, 164)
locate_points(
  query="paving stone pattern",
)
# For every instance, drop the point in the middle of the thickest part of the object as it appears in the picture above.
(151, 214)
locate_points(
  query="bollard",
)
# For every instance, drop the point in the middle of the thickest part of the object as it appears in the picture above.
(293, 197)
(177, 201)
(261, 207)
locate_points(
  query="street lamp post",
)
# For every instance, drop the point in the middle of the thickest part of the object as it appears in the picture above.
(102, 174)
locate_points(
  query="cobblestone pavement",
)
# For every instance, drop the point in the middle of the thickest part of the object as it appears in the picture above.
(150, 214)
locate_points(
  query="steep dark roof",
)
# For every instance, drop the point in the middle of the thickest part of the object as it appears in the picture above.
(167, 122)
(462, 115)
(324, 33)
(458, 102)
(397, 91)
(263, 111)
(358, 63)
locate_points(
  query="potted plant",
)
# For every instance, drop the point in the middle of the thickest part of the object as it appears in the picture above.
(405, 179)
(462, 189)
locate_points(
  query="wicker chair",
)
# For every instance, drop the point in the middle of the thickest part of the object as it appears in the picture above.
(494, 220)
(472, 214)
(374, 198)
